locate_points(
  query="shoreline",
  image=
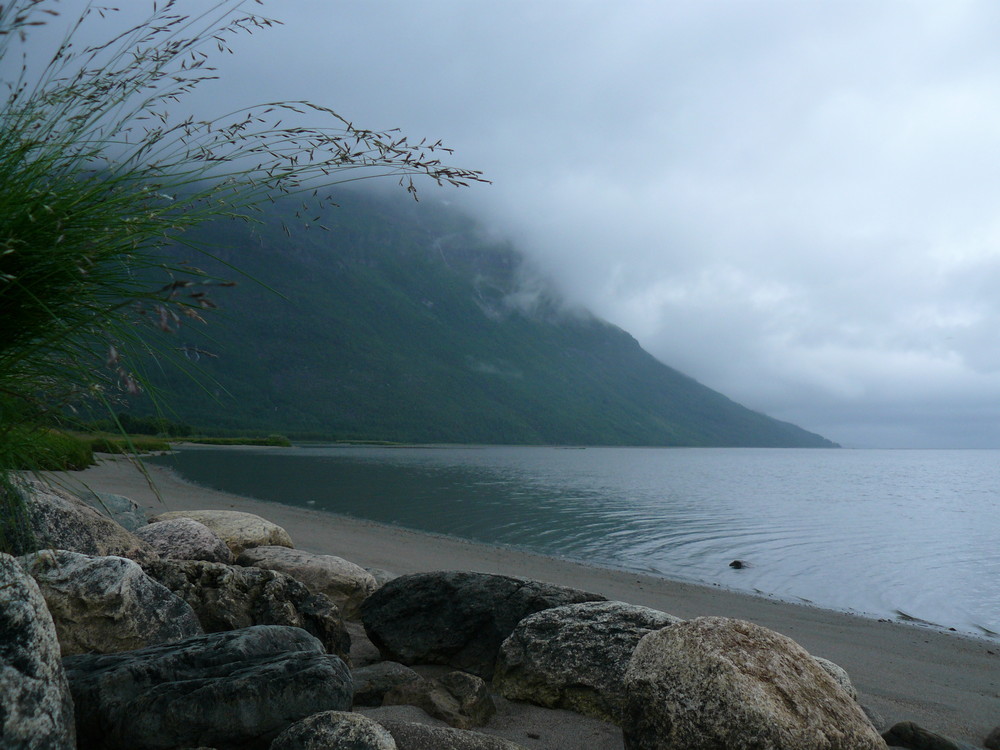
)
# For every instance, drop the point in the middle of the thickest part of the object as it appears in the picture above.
(914, 587)
(901, 618)
(945, 681)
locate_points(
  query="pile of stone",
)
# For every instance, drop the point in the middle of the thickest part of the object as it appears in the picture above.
(208, 629)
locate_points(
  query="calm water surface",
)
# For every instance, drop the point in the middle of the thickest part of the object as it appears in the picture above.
(902, 534)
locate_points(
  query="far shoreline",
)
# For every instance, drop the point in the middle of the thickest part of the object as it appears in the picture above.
(943, 680)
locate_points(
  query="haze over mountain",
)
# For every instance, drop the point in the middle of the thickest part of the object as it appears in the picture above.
(793, 202)
(406, 322)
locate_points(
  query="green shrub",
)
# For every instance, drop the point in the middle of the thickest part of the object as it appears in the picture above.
(62, 452)
(276, 440)
(26, 448)
(130, 425)
(128, 445)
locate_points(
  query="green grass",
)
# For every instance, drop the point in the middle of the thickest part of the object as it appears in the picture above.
(275, 440)
(30, 448)
(127, 444)
(64, 452)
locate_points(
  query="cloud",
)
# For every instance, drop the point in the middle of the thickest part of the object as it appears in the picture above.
(795, 203)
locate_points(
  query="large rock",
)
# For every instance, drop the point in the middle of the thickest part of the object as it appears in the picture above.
(413, 736)
(344, 582)
(456, 618)
(372, 682)
(877, 719)
(914, 737)
(839, 675)
(106, 604)
(335, 730)
(227, 597)
(382, 577)
(59, 520)
(363, 651)
(715, 683)
(185, 539)
(238, 530)
(122, 510)
(457, 698)
(36, 711)
(230, 691)
(575, 656)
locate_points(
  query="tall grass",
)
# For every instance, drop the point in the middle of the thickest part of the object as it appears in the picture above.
(101, 166)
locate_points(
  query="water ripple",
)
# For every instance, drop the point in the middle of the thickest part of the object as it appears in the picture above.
(881, 532)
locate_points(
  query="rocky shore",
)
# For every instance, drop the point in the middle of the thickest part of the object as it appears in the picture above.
(145, 622)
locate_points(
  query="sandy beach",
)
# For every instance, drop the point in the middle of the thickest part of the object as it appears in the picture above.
(947, 683)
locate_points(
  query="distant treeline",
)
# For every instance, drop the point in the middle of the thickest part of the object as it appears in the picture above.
(132, 425)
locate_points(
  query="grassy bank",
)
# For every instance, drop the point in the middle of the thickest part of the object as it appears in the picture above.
(39, 449)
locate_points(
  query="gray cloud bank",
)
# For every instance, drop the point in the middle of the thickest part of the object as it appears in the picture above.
(795, 203)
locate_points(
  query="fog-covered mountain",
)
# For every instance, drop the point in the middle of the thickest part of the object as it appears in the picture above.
(404, 322)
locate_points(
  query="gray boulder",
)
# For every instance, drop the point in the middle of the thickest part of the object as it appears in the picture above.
(238, 530)
(122, 510)
(575, 656)
(992, 741)
(715, 682)
(185, 539)
(372, 682)
(345, 583)
(36, 711)
(839, 675)
(59, 520)
(231, 691)
(106, 604)
(382, 577)
(413, 736)
(335, 730)
(227, 597)
(456, 618)
(457, 698)
(914, 737)
(363, 651)
(877, 719)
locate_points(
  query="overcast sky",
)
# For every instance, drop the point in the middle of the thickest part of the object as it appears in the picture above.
(796, 203)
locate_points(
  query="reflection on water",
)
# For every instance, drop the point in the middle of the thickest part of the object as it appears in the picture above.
(882, 532)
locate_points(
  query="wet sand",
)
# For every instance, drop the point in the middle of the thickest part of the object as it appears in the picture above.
(946, 682)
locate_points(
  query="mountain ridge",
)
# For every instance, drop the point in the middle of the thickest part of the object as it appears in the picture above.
(405, 322)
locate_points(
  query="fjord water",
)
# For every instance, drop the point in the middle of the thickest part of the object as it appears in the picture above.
(911, 535)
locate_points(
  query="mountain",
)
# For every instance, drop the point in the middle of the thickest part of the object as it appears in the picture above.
(405, 322)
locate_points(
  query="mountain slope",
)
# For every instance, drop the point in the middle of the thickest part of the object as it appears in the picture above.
(404, 323)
